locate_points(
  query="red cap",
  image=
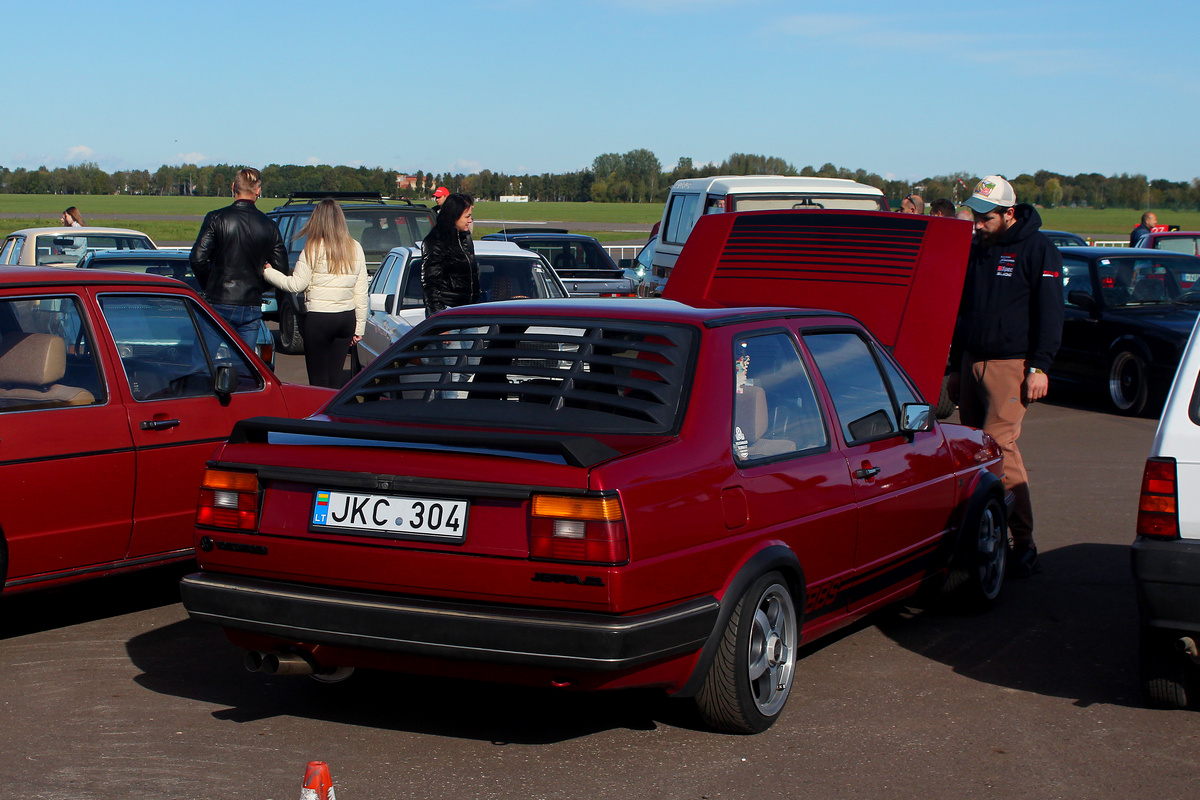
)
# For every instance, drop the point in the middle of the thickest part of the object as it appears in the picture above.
(441, 191)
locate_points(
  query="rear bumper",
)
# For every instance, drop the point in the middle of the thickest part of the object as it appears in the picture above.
(443, 629)
(1167, 577)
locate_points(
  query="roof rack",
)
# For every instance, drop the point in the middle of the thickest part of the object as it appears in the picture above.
(316, 197)
(512, 231)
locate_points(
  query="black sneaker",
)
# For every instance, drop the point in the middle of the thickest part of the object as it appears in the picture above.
(1023, 561)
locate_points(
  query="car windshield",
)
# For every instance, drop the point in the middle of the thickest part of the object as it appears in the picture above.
(65, 248)
(378, 230)
(1179, 244)
(1148, 281)
(178, 268)
(570, 253)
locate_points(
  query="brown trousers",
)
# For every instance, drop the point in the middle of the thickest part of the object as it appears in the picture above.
(990, 398)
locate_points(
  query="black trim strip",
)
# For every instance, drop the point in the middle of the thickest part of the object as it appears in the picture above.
(448, 629)
(174, 555)
(110, 452)
(578, 451)
(400, 483)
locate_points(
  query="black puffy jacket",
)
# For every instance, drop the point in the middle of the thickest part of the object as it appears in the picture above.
(449, 275)
(234, 244)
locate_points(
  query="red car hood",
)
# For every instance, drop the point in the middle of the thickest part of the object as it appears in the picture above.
(900, 274)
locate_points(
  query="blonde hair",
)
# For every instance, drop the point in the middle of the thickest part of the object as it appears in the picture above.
(327, 232)
(247, 181)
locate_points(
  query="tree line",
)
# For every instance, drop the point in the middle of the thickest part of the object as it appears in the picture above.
(633, 177)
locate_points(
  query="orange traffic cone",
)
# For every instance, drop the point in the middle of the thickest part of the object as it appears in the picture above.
(318, 785)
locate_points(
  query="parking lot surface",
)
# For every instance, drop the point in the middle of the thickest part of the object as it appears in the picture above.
(109, 690)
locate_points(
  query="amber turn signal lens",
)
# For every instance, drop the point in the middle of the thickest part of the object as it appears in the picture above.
(601, 509)
(231, 481)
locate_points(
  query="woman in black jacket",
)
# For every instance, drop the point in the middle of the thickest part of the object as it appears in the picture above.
(449, 274)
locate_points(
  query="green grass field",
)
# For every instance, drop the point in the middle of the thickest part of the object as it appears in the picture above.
(1110, 223)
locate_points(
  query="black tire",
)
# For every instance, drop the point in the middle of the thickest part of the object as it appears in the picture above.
(1164, 670)
(291, 340)
(945, 406)
(1128, 388)
(751, 675)
(976, 573)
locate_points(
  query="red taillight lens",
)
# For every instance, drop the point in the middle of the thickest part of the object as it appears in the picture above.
(588, 529)
(1158, 506)
(228, 500)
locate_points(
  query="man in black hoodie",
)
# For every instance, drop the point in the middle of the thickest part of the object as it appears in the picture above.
(1009, 328)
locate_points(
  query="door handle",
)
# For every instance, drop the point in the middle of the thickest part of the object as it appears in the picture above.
(866, 472)
(158, 424)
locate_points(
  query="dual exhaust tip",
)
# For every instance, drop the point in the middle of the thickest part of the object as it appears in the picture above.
(278, 663)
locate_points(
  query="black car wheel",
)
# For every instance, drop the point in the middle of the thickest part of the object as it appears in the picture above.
(1164, 670)
(1127, 386)
(291, 340)
(751, 675)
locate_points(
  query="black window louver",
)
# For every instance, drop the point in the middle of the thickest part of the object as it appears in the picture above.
(549, 373)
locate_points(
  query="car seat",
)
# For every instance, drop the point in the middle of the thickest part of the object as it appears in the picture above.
(31, 366)
(752, 418)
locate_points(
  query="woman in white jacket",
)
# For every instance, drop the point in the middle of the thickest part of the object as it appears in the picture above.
(332, 273)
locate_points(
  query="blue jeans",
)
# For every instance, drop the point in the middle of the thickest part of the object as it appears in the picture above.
(244, 320)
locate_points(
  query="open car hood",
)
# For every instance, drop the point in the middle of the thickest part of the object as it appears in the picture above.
(900, 274)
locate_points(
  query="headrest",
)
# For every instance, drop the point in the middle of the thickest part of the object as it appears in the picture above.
(32, 359)
(750, 412)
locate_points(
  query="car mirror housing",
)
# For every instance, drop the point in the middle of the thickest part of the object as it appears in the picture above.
(916, 417)
(1082, 299)
(225, 382)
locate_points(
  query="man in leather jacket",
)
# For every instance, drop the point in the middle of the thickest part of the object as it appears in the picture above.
(234, 244)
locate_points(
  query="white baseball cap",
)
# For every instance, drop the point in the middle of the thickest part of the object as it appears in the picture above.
(992, 192)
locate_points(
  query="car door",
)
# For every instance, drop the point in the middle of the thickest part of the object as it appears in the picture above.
(1079, 358)
(66, 454)
(169, 347)
(790, 481)
(903, 482)
(377, 334)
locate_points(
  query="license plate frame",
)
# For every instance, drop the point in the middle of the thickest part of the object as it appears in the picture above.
(390, 516)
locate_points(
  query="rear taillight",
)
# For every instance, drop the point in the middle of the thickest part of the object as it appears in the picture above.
(588, 529)
(1158, 506)
(228, 500)
(266, 351)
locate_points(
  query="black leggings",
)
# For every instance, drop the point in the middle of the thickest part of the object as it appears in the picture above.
(326, 342)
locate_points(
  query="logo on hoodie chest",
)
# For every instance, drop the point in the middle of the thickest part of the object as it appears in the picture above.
(1005, 268)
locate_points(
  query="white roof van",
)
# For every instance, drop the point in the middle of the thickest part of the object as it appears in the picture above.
(693, 197)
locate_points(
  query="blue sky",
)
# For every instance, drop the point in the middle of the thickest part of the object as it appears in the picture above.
(547, 85)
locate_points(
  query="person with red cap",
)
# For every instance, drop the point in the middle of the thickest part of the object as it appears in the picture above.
(439, 196)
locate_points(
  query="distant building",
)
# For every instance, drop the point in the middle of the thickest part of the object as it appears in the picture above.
(406, 182)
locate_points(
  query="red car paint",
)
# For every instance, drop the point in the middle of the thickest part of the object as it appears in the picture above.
(109, 485)
(852, 517)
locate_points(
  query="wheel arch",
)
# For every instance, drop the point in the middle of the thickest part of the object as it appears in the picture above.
(772, 558)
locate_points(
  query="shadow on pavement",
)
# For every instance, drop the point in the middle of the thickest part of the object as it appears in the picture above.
(1070, 631)
(196, 661)
(48, 609)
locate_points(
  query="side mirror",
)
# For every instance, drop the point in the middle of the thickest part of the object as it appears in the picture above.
(225, 382)
(376, 302)
(916, 417)
(626, 263)
(1082, 299)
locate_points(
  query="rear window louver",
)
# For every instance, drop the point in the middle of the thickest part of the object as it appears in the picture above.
(546, 373)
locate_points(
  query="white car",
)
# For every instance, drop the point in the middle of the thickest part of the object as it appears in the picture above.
(396, 302)
(1166, 552)
(64, 247)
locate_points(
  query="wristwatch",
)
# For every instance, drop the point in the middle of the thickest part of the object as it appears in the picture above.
(1036, 371)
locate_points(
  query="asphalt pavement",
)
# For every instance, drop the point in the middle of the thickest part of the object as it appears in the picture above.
(110, 690)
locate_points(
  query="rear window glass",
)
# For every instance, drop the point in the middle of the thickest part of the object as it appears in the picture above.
(378, 230)
(855, 202)
(69, 249)
(544, 373)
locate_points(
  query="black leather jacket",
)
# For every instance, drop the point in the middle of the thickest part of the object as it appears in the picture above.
(234, 244)
(449, 275)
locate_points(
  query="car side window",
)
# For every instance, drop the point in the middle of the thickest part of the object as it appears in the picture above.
(170, 347)
(297, 242)
(1076, 278)
(47, 356)
(681, 218)
(414, 294)
(775, 409)
(14, 255)
(7, 250)
(859, 392)
(379, 281)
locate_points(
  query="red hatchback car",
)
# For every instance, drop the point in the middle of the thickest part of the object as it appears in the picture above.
(672, 493)
(115, 388)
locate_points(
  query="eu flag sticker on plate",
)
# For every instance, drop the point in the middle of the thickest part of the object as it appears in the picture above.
(321, 508)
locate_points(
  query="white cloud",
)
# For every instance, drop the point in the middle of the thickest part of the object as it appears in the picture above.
(79, 152)
(191, 158)
(465, 167)
(313, 161)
